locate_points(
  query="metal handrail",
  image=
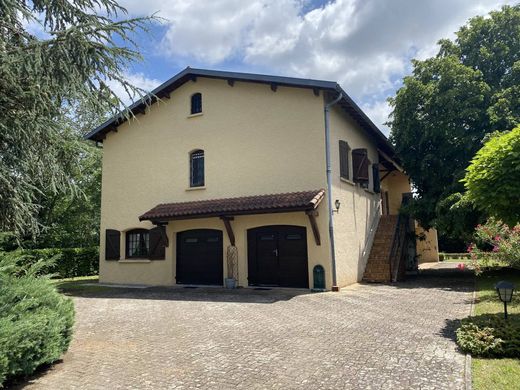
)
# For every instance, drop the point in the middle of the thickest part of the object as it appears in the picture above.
(398, 243)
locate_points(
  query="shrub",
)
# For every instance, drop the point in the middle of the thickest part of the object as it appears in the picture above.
(35, 321)
(63, 263)
(489, 336)
(496, 243)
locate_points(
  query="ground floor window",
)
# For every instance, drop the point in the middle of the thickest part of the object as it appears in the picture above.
(137, 243)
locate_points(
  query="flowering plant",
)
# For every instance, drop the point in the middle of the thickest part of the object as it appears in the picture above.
(496, 243)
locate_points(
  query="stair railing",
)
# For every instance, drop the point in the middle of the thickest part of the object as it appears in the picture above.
(400, 241)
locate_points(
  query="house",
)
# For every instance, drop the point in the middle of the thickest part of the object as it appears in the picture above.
(224, 174)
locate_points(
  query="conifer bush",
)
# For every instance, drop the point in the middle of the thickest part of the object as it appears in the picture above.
(35, 320)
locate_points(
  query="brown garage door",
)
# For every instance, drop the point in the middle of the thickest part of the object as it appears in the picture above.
(199, 257)
(277, 256)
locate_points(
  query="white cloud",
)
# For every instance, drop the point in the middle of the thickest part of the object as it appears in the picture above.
(138, 80)
(366, 45)
(378, 112)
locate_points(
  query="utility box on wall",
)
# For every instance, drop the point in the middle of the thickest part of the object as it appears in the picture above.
(318, 277)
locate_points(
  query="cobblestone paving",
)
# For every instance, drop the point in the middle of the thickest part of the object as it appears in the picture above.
(365, 337)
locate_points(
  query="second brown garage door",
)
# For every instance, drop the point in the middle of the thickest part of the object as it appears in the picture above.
(277, 256)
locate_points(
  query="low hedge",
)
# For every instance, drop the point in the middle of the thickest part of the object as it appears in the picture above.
(63, 263)
(489, 336)
(35, 320)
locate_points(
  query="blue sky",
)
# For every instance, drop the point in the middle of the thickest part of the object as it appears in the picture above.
(365, 45)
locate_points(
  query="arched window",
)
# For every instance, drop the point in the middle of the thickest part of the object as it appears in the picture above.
(197, 168)
(196, 103)
(137, 243)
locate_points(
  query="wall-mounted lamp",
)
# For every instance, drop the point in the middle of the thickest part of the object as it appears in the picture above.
(337, 203)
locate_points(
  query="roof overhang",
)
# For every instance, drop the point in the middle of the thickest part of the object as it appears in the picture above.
(307, 201)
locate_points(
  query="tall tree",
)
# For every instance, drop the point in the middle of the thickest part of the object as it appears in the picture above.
(82, 48)
(447, 106)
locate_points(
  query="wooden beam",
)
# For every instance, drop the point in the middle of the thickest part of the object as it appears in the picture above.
(316, 91)
(194, 79)
(166, 96)
(229, 229)
(231, 82)
(274, 87)
(314, 225)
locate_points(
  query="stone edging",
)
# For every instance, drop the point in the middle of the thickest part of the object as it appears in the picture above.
(467, 365)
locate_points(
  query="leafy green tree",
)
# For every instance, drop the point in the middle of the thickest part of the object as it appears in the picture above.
(447, 106)
(492, 179)
(85, 47)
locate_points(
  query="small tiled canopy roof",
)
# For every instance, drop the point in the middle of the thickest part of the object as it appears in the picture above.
(259, 204)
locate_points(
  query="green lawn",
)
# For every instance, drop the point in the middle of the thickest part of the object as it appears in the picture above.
(76, 286)
(492, 374)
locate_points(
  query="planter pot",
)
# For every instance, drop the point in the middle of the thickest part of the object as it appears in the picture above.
(231, 283)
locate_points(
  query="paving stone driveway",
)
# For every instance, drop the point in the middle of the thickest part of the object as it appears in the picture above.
(365, 337)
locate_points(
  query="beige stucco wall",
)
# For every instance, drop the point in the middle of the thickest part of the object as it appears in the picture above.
(426, 244)
(256, 141)
(163, 272)
(396, 183)
(357, 219)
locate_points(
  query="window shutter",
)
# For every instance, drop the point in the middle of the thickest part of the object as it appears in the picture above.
(158, 242)
(375, 176)
(360, 166)
(343, 159)
(112, 238)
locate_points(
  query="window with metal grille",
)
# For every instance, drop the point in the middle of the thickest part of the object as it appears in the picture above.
(137, 243)
(197, 168)
(196, 103)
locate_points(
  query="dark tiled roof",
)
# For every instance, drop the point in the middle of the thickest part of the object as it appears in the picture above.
(258, 204)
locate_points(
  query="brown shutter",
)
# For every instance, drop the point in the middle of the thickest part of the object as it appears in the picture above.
(158, 242)
(112, 238)
(343, 159)
(360, 166)
(375, 176)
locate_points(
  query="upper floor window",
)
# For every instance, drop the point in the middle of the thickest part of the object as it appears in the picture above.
(137, 243)
(196, 103)
(360, 164)
(197, 168)
(344, 151)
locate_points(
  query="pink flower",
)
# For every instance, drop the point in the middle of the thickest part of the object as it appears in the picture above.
(461, 266)
(495, 249)
(498, 238)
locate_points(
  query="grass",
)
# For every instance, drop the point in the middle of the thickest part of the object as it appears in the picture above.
(496, 373)
(78, 286)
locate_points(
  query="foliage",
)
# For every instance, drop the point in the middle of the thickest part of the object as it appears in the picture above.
(35, 321)
(493, 178)
(479, 341)
(8, 241)
(495, 242)
(489, 336)
(82, 48)
(448, 105)
(62, 262)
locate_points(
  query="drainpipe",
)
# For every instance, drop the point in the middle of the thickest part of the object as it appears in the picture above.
(329, 189)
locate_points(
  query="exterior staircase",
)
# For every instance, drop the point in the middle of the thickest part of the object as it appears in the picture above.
(378, 268)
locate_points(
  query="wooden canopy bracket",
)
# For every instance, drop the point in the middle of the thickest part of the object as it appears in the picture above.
(229, 229)
(274, 87)
(314, 225)
(194, 79)
(231, 82)
(316, 91)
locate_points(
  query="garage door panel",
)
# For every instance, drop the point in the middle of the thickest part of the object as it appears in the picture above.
(200, 257)
(277, 256)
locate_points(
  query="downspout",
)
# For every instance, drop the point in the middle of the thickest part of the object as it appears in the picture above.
(329, 189)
